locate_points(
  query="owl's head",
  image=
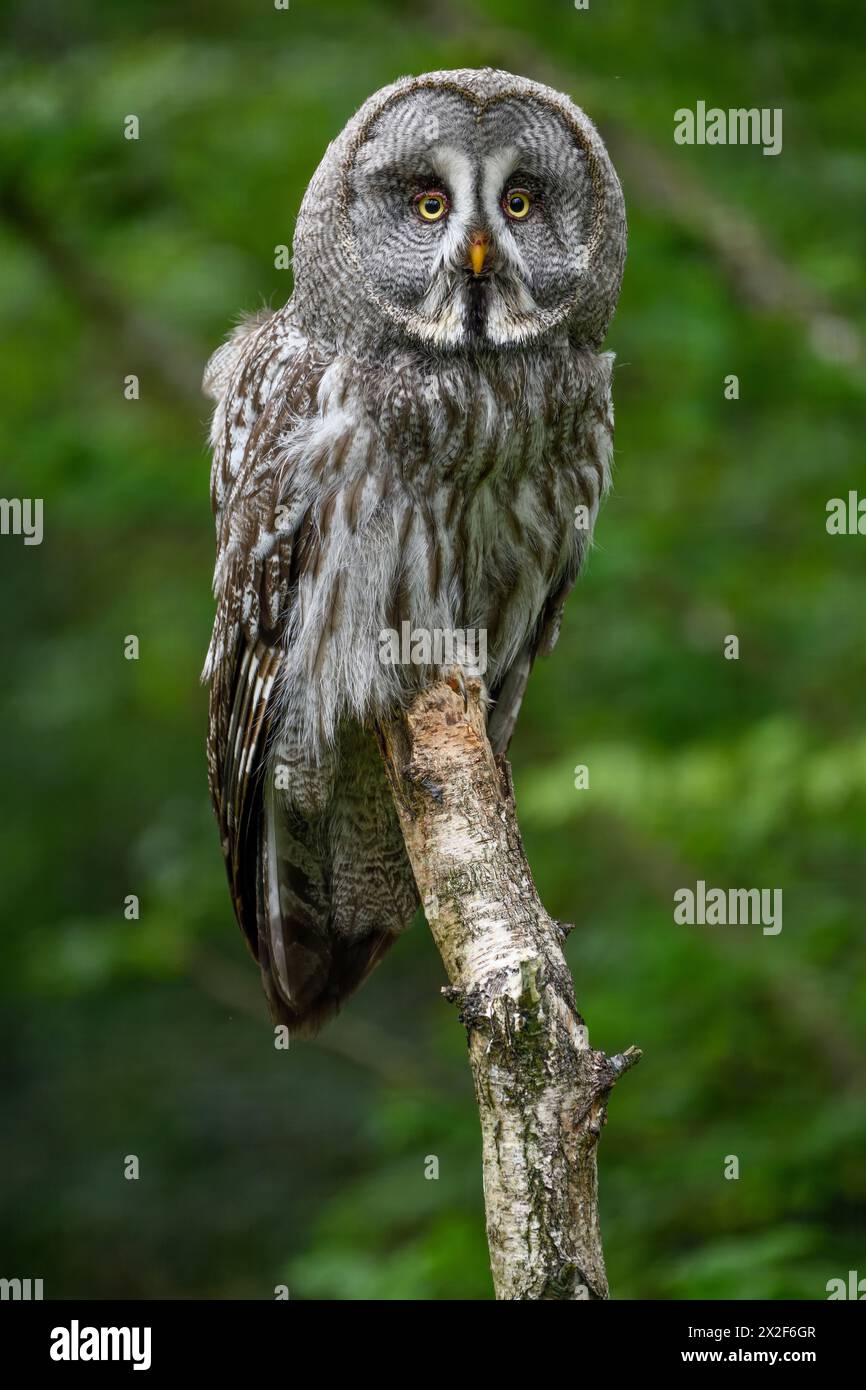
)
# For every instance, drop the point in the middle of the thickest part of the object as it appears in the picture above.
(464, 210)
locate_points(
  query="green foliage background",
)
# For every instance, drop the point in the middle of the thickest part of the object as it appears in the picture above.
(150, 1037)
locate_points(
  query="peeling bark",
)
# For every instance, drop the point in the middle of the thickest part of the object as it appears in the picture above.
(542, 1091)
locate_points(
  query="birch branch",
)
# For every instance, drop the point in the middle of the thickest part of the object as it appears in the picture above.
(542, 1091)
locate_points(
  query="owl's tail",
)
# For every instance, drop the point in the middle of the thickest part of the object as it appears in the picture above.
(333, 892)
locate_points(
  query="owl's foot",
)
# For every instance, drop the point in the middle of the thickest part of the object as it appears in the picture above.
(457, 680)
(461, 678)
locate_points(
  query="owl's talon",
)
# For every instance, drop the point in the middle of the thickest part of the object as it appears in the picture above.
(456, 678)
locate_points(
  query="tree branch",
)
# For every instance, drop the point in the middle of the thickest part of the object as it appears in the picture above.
(542, 1091)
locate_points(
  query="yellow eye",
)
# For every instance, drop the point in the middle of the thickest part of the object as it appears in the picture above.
(432, 205)
(516, 204)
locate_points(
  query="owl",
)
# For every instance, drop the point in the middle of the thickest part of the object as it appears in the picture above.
(417, 443)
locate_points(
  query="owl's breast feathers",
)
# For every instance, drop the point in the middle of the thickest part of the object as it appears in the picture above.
(350, 498)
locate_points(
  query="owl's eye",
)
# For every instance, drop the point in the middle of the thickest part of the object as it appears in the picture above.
(517, 204)
(431, 206)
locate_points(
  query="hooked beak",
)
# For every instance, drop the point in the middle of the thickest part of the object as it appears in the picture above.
(479, 244)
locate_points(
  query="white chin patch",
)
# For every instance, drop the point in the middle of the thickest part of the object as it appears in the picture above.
(440, 316)
(512, 314)
(444, 315)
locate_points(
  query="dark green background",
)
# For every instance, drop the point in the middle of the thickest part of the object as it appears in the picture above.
(151, 1037)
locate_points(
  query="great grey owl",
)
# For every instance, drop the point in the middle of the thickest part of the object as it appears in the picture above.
(420, 436)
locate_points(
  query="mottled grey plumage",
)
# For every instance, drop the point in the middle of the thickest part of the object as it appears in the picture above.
(407, 439)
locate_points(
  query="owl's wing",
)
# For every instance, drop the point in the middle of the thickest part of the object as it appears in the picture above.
(590, 463)
(264, 379)
(319, 876)
(508, 696)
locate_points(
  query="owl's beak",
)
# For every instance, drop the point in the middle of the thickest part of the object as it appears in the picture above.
(479, 244)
